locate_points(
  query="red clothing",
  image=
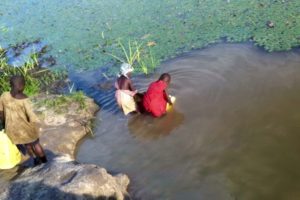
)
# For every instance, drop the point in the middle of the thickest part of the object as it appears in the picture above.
(155, 101)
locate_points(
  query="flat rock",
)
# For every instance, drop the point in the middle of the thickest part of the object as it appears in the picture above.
(62, 177)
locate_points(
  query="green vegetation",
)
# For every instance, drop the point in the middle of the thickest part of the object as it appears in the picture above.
(37, 79)
(32, 84)
(175, 26)
(61, 103)
(136, 54)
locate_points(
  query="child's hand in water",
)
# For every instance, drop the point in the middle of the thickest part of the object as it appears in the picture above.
(171, 100)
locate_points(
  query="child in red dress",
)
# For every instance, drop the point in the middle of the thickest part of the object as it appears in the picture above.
(156, 98)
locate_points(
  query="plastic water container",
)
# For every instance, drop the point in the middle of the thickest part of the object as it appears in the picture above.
(173, 99)
(10, 156)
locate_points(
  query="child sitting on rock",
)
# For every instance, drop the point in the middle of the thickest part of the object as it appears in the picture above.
(20, 120)
(156, 98)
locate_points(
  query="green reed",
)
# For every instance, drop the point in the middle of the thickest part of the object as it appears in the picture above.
(137, 54)
(35, 77)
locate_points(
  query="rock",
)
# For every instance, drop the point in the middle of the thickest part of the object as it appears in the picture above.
(270, 24)
(54, 120)
(61, 132)
(62, 178)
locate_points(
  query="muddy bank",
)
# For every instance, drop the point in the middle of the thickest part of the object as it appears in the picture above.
(62, 177)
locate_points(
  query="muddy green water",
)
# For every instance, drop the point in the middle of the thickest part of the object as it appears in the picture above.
(77, 31)
(233, 134)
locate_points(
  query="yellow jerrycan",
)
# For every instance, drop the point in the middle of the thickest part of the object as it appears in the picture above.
(173, 99)
(10, 156)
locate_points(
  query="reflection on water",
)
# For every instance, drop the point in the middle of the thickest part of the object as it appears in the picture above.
(147, 127)
(234, 135)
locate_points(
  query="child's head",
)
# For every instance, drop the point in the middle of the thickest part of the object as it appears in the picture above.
(165, 77)
(17, 83)
(126, 69)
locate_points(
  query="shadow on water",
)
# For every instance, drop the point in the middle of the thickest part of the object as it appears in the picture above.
(97, 86)
(148, 128)
(233, 134)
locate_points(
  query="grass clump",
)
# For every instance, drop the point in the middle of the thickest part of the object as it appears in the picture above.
(61, 103)
(137, 54)
(37, 79)
(32, 84)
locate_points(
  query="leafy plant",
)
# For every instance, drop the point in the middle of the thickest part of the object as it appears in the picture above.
(129, 54)
(137, 54)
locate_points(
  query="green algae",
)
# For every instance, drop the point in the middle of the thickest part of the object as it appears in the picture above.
(78, 31)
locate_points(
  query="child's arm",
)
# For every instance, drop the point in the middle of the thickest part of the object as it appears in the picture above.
(167, 97)
(131, 87)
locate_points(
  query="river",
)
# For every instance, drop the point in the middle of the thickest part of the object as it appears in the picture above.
(233, 132)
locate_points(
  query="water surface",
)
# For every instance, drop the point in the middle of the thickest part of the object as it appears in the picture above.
(77, 31)
(233, 133)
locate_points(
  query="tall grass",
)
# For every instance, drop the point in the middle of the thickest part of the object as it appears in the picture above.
(137, 54)
(7, 71)
(35, 78)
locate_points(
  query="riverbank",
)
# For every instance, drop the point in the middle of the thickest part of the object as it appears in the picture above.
(62, 177)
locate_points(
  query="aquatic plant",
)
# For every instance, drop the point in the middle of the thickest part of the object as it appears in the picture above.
(176, 26)
(137, 54)
(148, 63)
(130, 54)
(3, 29)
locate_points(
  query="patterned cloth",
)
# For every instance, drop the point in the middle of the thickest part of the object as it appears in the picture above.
(20, 120)
(125, 100)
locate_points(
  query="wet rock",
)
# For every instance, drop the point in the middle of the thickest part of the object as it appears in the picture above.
(62, 131)
(62, 178)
